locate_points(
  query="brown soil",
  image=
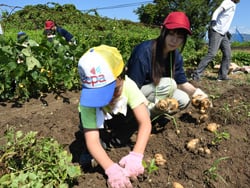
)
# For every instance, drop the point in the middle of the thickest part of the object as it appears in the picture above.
(231, 110)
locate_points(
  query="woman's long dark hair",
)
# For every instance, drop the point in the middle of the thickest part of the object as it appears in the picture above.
(159, 66)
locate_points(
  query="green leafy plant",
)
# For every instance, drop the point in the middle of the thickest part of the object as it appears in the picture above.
(170, 117)
(177, 130)
(219, 136)
(30, 68)
(151, 167)
(212, 172)
(27, 161)
(226, 107)
(241, 58)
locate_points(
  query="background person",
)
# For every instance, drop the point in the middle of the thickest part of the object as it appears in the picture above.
(22, 37)
(51, 29)
(219, 39)
(1, 29)
(157, 65)
(107, 93)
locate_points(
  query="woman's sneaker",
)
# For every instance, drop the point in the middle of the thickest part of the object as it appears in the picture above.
(223, 79)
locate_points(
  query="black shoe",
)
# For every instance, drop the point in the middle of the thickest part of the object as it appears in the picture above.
(195, 78)
(86, 160)
(223, 79)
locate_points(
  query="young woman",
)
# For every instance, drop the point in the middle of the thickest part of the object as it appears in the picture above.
(157, 65)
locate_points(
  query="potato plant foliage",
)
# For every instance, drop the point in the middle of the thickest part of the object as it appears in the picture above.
(29, 161)
(30, 68)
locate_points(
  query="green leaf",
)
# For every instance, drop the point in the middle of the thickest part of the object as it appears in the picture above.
(22, 177)
(63, 186)
(32, 43)
(7, 49)
(5, 179)
(32, 176)
(19, 134)
(73, 171)
(26, 52)
(31, 62)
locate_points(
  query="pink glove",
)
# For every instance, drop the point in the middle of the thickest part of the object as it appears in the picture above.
(133, 164)
(117, 177)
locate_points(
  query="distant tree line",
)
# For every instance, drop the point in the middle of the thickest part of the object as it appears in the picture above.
(198, 11)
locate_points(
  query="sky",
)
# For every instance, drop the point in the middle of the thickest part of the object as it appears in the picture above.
(124, 9)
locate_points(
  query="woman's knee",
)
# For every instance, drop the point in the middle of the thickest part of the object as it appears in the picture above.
(182, 98)
(167, 82)
(184, 104)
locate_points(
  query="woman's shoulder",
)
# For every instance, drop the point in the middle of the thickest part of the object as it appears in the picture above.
(142, 49)
(144, 44)
(148, 42)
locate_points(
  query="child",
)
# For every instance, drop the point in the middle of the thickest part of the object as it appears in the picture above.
(107, 93)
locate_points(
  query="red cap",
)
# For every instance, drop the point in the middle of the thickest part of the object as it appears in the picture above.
(49, 24)
(177, 20)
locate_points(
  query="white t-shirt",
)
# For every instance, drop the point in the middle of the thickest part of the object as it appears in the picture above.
(1, 30)
(224, 15)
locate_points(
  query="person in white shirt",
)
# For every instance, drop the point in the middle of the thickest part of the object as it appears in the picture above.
(219, 38)
(1, 30)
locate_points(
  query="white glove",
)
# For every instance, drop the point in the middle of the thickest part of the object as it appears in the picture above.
(200, 93)
(200, 100)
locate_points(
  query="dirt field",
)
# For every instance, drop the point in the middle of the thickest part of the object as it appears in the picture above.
(191, 168)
